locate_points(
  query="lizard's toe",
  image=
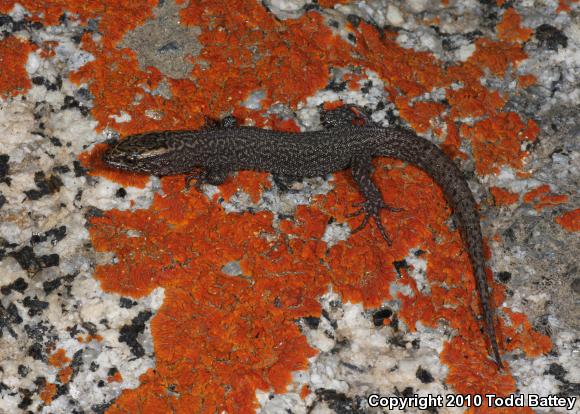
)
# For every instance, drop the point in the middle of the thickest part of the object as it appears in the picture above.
(372, 210)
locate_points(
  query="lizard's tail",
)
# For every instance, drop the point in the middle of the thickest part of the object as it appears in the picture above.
(406, 145)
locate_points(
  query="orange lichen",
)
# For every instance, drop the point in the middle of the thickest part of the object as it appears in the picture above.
(48, 393)
(550, 201)
(152, 396)
(565, 5)
(471, 371)
(281, 51)
(240, 325)
(64, 375)
(116, 15)
(522, 337)
(496, 141)
(452, 144)
(419, 114)
(532, 195)
(88, 338)
(251, 183)
(510, 27)
(570, 220)
(540, 198)
(474, 100)
(13, 76)
(502, 196)
(526, 80)
(331, 3)
(497, 56)
(59, 358)
(304, 392)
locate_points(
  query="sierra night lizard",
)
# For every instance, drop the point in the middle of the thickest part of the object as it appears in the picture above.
(210, 154)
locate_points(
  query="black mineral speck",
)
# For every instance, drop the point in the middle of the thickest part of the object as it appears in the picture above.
(399, 265)
(367, 87)
(77, 362)
(129, 333)
(23, 370)
(121, 193)
(18, 25)
(9, 316)
(335, 86)
(36, 332)
(5, 19)
(27, 259)
(408, 392)
(38, 80)
(57, 233)
(311, 321)
(34, 305)
(35, 351)
(4, 169)
(56, 85)
(353, 19)
(380, 316)
(18, 285)
(51, 285)
(101, 408)
(70, 102)
(79, 169)
(557, 371)
(127, 303)
(61, 169)
(338, 402)
(90, 327)
(26, 400)
(504, 277)
(169, 47)
(575, 285)
(49, 260)
(2, 200)
(45, 185)
(394, 322)
(550, 37)
(424, 376)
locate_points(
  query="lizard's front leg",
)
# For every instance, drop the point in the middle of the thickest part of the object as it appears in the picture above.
(213, 176)
(371, 207)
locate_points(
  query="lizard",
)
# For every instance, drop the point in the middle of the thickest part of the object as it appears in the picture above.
(211, 154)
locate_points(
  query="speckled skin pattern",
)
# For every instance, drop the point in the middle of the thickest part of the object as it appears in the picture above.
(217, 151)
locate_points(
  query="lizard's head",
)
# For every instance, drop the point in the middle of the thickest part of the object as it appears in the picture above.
(145, 153)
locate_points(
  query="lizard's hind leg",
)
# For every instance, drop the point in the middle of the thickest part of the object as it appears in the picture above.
(371, 207)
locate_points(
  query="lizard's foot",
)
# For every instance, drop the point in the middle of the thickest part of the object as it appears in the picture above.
(372, 210)
(194, 179)
(203, 176)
